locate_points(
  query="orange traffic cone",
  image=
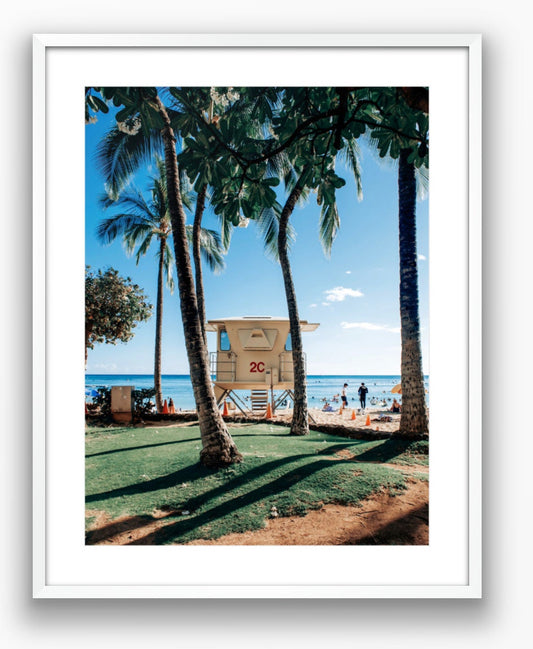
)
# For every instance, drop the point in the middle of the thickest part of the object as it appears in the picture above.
(353, 414)
(269, 411)
(165, 407)
(225, 412)
(367, 423)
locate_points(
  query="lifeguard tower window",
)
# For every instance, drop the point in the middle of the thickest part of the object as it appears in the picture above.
(288, 344)
(225, 344)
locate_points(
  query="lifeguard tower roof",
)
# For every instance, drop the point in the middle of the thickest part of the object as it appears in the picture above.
(218, 323)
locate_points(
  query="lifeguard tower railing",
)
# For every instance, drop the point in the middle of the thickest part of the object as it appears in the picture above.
(223, 366)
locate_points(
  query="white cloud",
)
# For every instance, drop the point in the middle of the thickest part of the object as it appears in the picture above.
(422, 257)
(369, 326)
(312, 306)
(348, 272)
(340, 293)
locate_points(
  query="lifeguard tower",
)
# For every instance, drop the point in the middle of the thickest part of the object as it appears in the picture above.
(253, 353)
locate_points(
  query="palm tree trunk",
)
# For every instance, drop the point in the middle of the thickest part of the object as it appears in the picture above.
(218, 448)
(196, 229)
(159, 327)
(414, 420)
(300, 415)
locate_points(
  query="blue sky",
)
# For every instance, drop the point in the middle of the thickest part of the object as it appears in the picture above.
(353, 294)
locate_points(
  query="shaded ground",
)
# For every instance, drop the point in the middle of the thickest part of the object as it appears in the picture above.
(141, 472)
(381, 519)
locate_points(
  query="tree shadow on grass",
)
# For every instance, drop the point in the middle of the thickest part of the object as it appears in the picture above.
(196, 472)
(174, 531)
(386, 451)
(169, 532)
(187, 474)
(138, 448)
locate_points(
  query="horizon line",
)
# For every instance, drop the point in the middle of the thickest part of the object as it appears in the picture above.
(187, 374)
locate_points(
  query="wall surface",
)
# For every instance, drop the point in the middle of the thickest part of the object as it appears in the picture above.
(502, 617)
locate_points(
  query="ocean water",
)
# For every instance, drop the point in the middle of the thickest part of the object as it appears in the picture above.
(319, 388)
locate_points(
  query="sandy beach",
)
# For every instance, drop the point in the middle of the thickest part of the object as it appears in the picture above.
(380, 419)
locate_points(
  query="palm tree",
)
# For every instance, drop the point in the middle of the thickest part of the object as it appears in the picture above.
(139, 225)
(300, 415)
(414, 420)
(150, 124)
(401, 131)
(218, 448)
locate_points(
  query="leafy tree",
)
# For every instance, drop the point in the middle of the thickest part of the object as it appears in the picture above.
(113, 307)
(139, 224)
(301, 136)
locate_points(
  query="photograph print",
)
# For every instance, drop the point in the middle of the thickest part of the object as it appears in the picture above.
(257, 316)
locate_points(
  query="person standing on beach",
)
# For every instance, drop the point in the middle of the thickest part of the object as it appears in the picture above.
(362, 395)
(343, 396)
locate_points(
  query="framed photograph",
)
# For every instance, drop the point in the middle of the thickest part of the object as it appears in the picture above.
(188, 537)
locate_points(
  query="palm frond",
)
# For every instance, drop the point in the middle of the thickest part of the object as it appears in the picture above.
(120, 154)
(120, 224)
(422, 182)
(329, 225)
(351, 154)
(135, 203)
(226, 230)
(186, 190)
(143, 248)
(212, 250)
(169, 267)
(268, 226)
(278, 165)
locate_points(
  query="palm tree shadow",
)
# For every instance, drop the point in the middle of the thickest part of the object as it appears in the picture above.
(196, 472)
(187, 474)
(138, 448)
(403, 531)
(385, 452)
(178, 529)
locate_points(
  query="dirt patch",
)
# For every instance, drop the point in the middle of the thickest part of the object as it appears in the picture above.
(126, 529)
(344, 454)
(382, 519)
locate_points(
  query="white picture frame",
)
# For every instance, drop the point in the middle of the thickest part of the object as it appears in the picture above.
(450, 567)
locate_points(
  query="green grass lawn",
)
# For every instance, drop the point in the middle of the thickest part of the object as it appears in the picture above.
(140, 471)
